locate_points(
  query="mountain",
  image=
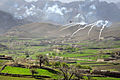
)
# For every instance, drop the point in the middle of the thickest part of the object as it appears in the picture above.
(118, 4)
(45, 12)
(7, 21)
(58, 12)
(34, 30)
(49, 30)
(108, 11)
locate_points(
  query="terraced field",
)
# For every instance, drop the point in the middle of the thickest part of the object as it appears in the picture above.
(85, 53)
(25, 71)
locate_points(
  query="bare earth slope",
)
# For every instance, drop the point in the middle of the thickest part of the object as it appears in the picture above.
(36, 30)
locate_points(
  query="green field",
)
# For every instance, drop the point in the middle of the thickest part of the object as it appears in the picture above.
(85, 54)
(16, 70)
(14, 78)
(105, 78)
(25, 71)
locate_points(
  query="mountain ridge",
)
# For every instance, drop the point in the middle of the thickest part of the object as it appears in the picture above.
(48, 30)
(7, 21)
(62, 13)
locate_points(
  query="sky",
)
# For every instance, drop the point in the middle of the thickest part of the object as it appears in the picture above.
(82, 0)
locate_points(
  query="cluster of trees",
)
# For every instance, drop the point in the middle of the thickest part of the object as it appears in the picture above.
(73, 71)
(115, 54)
(68, 71)
(42, 59)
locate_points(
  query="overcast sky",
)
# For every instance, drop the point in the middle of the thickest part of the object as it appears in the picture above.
(82, 0)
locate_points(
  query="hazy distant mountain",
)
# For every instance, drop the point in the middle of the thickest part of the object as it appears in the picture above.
(118, 4)
(7, 21)
(108, 11)
(57, 12)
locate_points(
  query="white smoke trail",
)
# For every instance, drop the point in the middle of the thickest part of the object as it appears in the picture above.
(97, 23)
(94, 24)
(70, 25)
(80, 29)
(91, 29)
(106, 22)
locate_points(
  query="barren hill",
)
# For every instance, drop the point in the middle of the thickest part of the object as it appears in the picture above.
(36, 30)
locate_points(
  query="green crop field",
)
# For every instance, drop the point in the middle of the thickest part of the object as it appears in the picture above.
(105, 78)
(86, 54)
(25, 71)
(75, 55)
(14, 78)
(16, 70)
(48, 73)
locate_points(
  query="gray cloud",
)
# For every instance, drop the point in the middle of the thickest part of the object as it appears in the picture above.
(83, 0)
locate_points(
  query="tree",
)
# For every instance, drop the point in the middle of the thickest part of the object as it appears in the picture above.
(33, 71)
(78, 74)
(73, 70)
(42, 59)
(27, 54)
(56, 64)
(80, 70)
(67, 71)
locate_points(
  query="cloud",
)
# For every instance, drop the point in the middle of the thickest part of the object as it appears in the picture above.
(67, 1)
(31, 0)
(55, 9)
(1, 3)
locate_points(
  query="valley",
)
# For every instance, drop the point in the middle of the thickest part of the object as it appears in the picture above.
(59, 40)
(22, 53)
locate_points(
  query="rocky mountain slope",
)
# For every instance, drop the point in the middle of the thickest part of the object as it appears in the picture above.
(54, 11)
(7, 21)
